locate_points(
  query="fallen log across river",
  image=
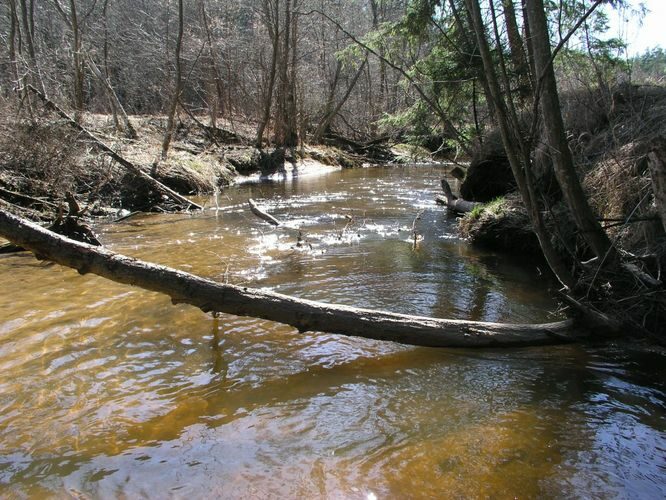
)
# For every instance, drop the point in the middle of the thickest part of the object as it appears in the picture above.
(303, 314)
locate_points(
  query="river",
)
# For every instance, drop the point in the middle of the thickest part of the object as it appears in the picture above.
(108, 391)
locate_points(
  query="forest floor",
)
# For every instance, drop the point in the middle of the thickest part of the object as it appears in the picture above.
(44, 161)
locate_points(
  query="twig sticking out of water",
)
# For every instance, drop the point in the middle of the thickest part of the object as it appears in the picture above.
(350, 221)
(262, 214)
(416, 236)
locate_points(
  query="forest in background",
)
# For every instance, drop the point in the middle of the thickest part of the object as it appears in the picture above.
(559, 127)
(365, 68)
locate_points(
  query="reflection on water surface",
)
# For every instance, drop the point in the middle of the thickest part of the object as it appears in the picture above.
(109, 391)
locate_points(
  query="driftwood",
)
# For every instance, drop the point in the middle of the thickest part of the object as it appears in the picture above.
(261, 214)
(305, 315)
(453, 202)
(153, 183)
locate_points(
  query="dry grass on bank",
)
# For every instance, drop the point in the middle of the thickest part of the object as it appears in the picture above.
(43, 158)
(610, 146)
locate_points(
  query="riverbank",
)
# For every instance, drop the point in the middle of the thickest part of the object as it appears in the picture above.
(613, 148)
(44, 163)
(610, 146)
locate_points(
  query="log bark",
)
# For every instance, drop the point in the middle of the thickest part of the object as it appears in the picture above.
(153, 183)
(453, 202)
(305, 315)
(261, 214)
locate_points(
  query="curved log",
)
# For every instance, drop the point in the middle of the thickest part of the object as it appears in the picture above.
(303, 314)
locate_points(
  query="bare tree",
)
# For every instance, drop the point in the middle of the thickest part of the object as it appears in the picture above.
(286, 131)
(116, 106)
(332, 109)
(555, 138)
(216, 101)
(271, 19)
(516, 149)
(171, 122)
(71, 18)
(14, 30)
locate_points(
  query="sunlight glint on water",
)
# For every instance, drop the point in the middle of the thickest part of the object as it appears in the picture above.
(111, 391)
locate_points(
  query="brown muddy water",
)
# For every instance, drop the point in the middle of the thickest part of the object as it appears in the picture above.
(107, 391)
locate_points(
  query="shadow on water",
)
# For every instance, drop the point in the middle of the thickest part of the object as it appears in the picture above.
(108, 391)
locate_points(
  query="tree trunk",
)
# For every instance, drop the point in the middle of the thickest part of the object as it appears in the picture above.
(273, 26)
(286, 122)
(77, 62)
(657, 164)
(470, 48)
(555, 136)
(173, 106)
(377, 13)
(518, 58)
(28, 33)
(13, 29)
(218, 102)
(519, 158)
(105, 59)
(113, 99)
(305, 315)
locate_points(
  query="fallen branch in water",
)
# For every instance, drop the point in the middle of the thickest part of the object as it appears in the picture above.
(305, 315)
(416, 236)
(261, 214)
(453, 202)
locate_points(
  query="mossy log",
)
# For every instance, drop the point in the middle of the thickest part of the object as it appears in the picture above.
(305, 315)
